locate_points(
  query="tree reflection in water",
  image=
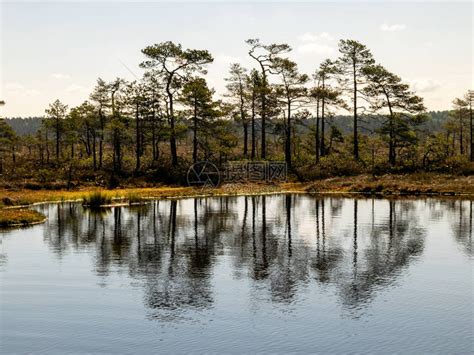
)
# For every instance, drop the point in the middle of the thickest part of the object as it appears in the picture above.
(280, 244)
(462, 226)
(391, 247)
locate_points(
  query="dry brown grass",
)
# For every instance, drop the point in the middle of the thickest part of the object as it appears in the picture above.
(26, 197)
(412, 184)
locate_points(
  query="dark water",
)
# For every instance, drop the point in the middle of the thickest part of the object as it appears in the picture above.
(284, 273)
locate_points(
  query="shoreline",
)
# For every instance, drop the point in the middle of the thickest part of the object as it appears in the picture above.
(18, 218)
(387, 186)
(23, 225)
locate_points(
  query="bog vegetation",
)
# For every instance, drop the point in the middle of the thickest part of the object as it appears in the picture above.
(19, 217)
(151, 129)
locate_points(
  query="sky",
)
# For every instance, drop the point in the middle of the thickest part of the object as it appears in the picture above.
(57, 50)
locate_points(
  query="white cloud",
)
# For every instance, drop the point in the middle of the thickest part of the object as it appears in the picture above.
(226, 59)
(13, 86)
(317, 43)
(393, 28)
(424, 85)
(314, 37)
(315, 48)
(17, 89)
(32, 92)
(76, 88)
(60, 76)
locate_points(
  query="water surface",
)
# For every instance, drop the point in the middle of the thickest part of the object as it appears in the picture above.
(283, 273)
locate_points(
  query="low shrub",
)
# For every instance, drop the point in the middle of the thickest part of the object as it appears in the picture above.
(167, 174)
(331, 166)
(134, 198)
(96, 199)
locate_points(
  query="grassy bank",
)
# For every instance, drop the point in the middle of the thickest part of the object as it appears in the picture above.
(19, 217)
(17, 197)
(413, 184)
(408, 185)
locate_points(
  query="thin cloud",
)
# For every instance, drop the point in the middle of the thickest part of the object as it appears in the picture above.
(314, 37)
(227, 59)
(33, 92)
(14, 86)
(316, 48)
(17, 89)
(316, 43)
(60, 76)
(393, 28)
(424, 85)
(76, 88)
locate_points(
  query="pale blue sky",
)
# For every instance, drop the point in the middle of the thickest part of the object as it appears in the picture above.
(57, 50)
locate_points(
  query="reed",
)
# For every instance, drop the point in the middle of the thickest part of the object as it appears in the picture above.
(134, 198)
(96, 199)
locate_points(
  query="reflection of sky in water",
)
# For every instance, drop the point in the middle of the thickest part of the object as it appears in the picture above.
(275, 273)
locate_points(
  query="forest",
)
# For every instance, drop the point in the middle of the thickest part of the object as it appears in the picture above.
(350, 116)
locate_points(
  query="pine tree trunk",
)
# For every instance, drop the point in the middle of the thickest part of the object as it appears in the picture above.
(288, 136)
(263, 153)
(174, 154)
(317, 133)
(153, 137)
(57, 139)
(323, 134)
(461, 146)
(356, 138)
(253, 128)
(470, 126)
(195, 143)
(101, 138)
(94, 153)
(138, 140)
(246, 129)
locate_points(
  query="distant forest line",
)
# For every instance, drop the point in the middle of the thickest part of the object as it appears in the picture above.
(24, 126)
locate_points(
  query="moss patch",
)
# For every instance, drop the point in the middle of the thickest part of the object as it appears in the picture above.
(19, 217)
